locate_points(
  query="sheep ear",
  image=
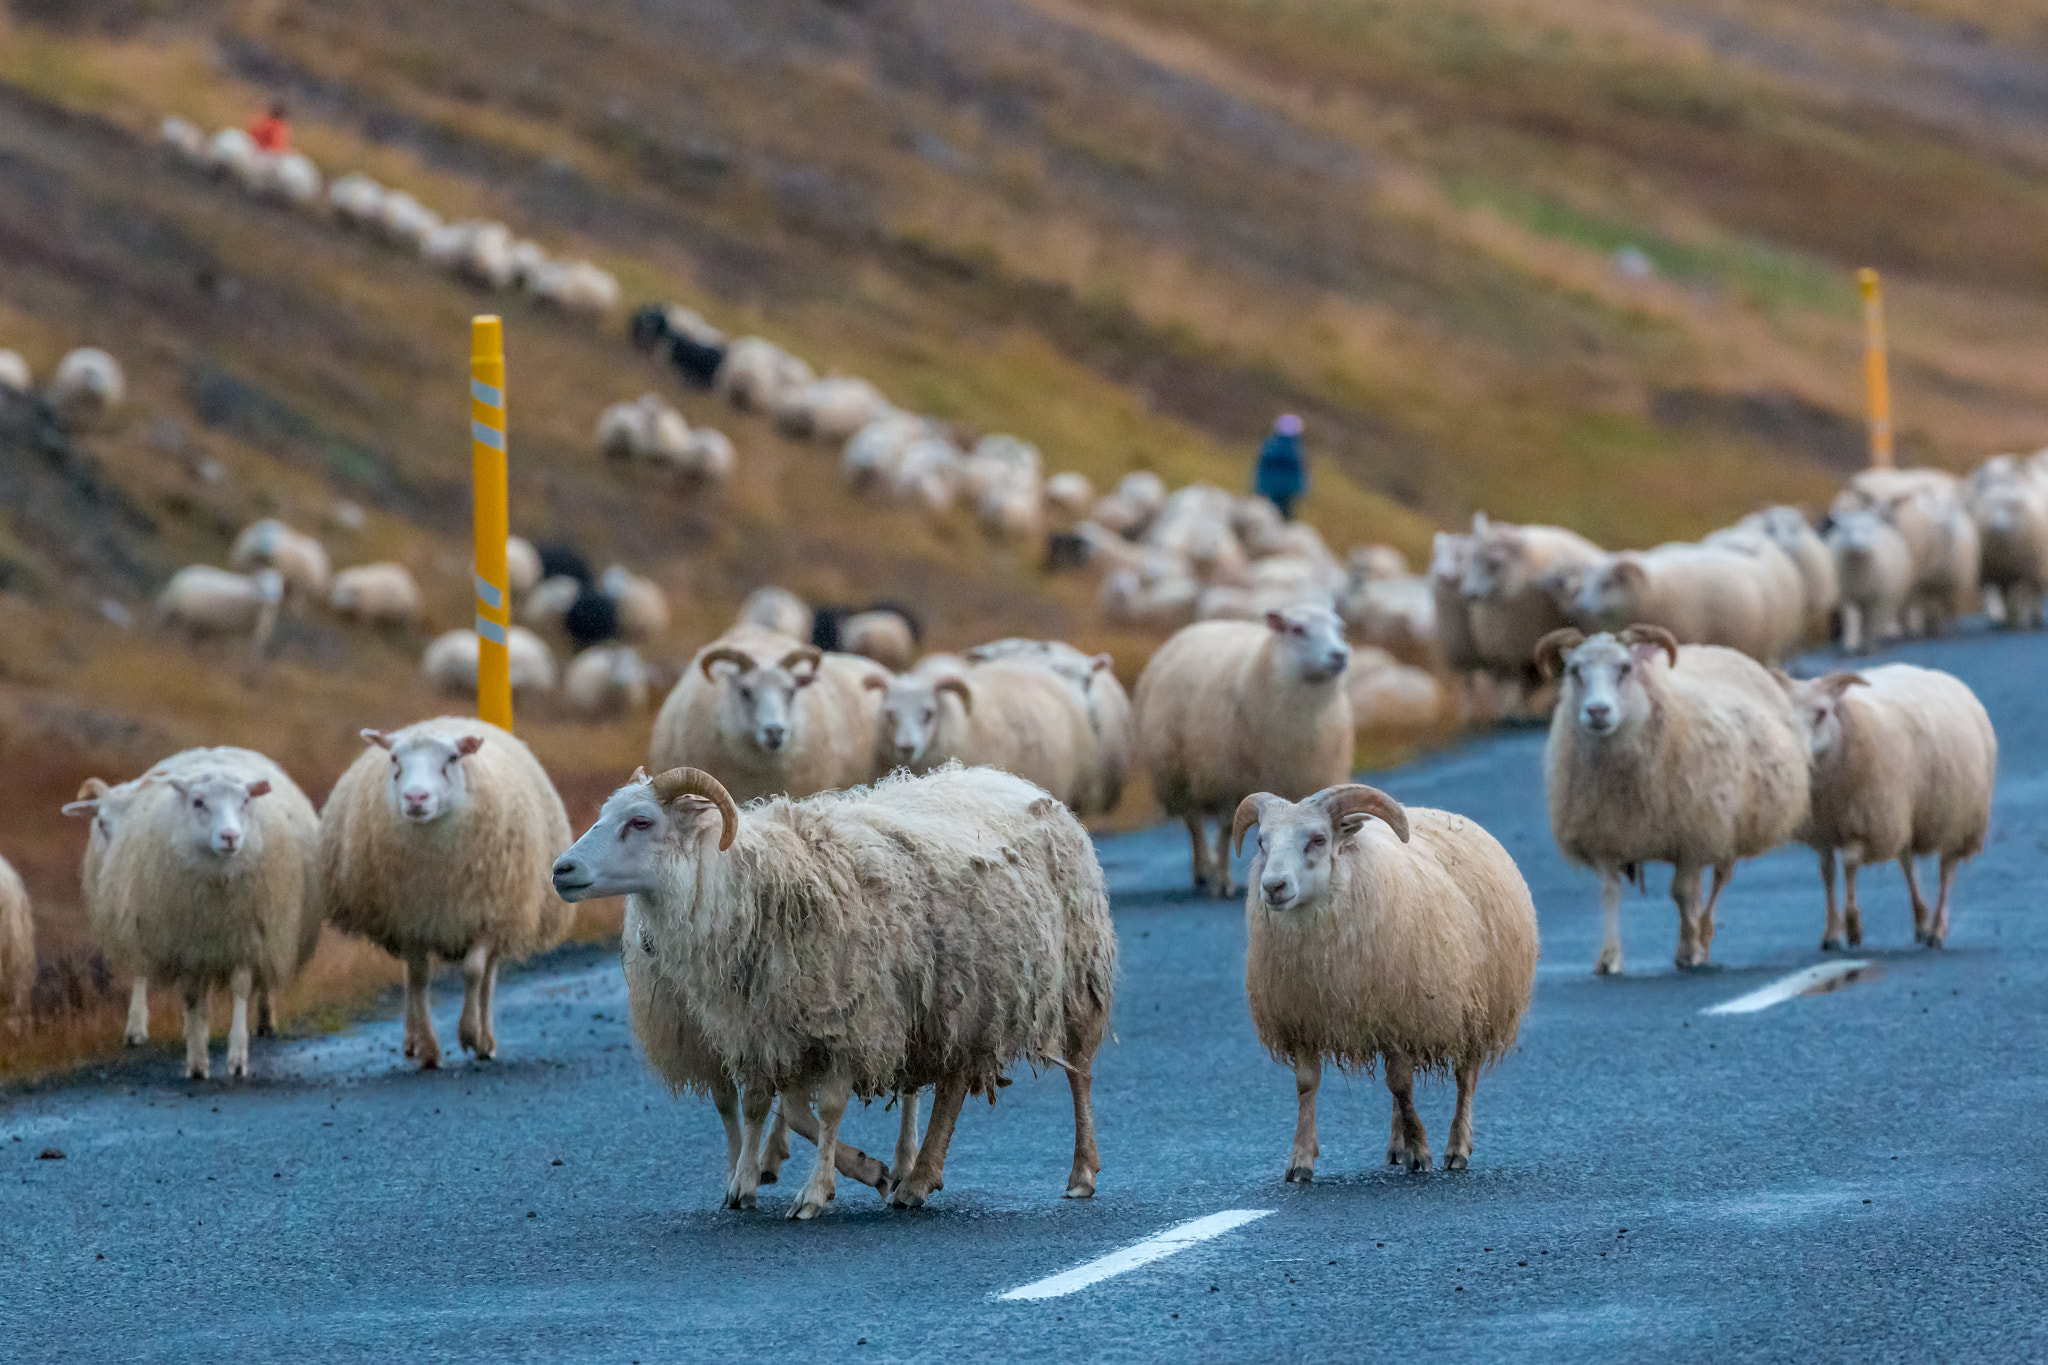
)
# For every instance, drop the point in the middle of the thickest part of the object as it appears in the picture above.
(1275, 621)
(958, 687)
(260, 787)
(874, 682)
(469, 744)
(378, 738)
(1835, 684)
(83, 806)
(1351, 824)
(1101, 663)
(639, 777)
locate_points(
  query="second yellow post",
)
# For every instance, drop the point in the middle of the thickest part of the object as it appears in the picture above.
(1876, 379)
(493, 521)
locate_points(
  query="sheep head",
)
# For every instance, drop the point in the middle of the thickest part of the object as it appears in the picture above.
(1818, 705)
(910, 711)
(1604, 689)
(215, 805)
(644, 828)
(764, 695)
(1313, 639)
(1297, 839)
(1612, 591)
(427, 778)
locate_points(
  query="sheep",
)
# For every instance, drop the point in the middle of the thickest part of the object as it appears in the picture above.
(529, 261)
(1110, 719)
(405, 221)
(1697, 763)
(756, 373)
(1227, 708)
(17, 945)
(547, 606)
(1925, 507)
(1903, 763)
(575, 287)
(776, 609)
(1506, 605)
(86, 389)
(300, 558)
(185, 138)
(357, 200)
(1702, 594)
(1820, 588)
(1874, 568)
(967, 876)
(383, 593)
(871, 455)
(451, 661)
(643, 608)
(606, 679)
(883, 634)
(1397, 614)
(1131, 508)
(1450, 554)
(1012, 716)
(831, 409)
(769, 717)
(1411, 941)
(1162, 591)
(436, 843)
(292, 178)
(232, 154)
(1068, 496)
(2010, 508)
(522, 564)
(15, 376)
(1390, 697)
(474, 249)
(106, 915)
(707, 457)
(204, 601)
(927, 473)
(207, 877)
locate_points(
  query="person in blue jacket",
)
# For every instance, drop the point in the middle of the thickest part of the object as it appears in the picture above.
(1282, 475)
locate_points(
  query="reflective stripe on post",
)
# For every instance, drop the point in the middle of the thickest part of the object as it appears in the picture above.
(493, 525)
(1876, 379)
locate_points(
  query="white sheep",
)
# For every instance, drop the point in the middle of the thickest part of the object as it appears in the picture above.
(204, 601)
(927, 473)
(769, 716)
(357, 200)
(17, 945)
(1068, 496)
(1390, 697)
(2010, 507)
(405, 221)
(232, 154)
(1397, 613)
(547, 606)
(871, 455)
(15, 376)
(1874, 569)
(1228, 708)
(883, 635)
(646, 428)
(969, 877)
(1926, 508)
(1698, 763)
(1820, 588)
(300, 558)
(1411, 941)
(1110, 718)
(1702, 594)
(831, 409)
(451, 662)
(1160, 590)
(530, 261)
(207, 877)
(575, 287)
(522, 564)
(605, 680)
(292, 178)
(1450, 555)
(384, 593)
(756, 373)
(1008, 715)
(778, 610)
(436, 843)
(1904, 761)
(186, 139)
(642, 606)
(707, 457)
(1507, 607)
(1130, 509)
(86, 389)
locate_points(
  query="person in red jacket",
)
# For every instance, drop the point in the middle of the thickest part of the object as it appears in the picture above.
(271, 132)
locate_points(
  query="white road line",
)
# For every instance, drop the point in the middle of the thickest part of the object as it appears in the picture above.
(1785, 987)
(1178, 1238)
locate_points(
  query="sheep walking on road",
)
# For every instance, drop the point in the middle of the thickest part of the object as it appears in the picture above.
(1904, 760)
(1697, 762)
(436, 843)
(1378, 932)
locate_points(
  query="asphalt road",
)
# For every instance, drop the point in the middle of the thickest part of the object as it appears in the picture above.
(1855, 1175)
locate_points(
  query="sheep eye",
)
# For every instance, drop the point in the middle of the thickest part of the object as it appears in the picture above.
(639, 822)
(1621, 672)
(1317, 840)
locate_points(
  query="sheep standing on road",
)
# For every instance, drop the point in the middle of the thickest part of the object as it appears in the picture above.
(1228, 708)
(2010, 507)
(206, 876)
(967, 877)
(1698, 763)
(436, 843)
(17, 945)
(1904, 760)
(1411, 941)
(1508, 608)
(1875, 570)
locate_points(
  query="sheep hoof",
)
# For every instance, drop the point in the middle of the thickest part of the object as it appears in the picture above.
(806, 1208)
(1456, 1163)
(264, 1030)
(1418, 1162)
(1936, 943)
(137, 1040)
(1607, 967)
(1831, 944)
(907, 1196)
(1080, 1189)
(1301, 1175)
(197, 1073)
(430, 1061)
(412, 1049)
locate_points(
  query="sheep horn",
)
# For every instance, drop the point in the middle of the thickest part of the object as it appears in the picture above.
(958, 687)
(1354, 798)
(1247, 816)
(1835, 684)
(1651, 635)
(1555, 646)
(802, 654)
(726, 654)
(677, 783)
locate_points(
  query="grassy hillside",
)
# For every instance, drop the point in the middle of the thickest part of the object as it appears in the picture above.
(1128, 230)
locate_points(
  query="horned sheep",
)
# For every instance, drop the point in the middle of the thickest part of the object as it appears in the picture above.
(1228, 708)
(1382, 933)
(967, 876)
(436, 843)
(1697, 762)
(1904, 760)
(206, 875)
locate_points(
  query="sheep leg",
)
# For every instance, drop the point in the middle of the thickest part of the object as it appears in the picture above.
(725, 1098)
(832, 1094)
(928, 1176)
(470, 1029)
(1200, 841)
(850, 1160)
(138, 1012)
(1832, 931)
(745, 1177)
(1722, 873)
(1308, 1078)
(1937, 932)
(420, 1041)
(906, 1134)
(1852, 628)
(1458, 1151)
(1923, 919)
(1852, 912)
(1224, 876)
(1685, 893)
(1087, 1161)
(197, 1065)
(490, 1008)
(266, 1012)
(239, 986)
(775, 1148)
(1610, 909)
(1410, 1143)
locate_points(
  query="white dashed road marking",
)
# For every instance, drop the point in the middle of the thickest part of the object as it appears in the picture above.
(1785, 987)
(1178, 1238)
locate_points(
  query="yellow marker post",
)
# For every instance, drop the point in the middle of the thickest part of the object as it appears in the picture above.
(493, 521)
(1875, 377)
